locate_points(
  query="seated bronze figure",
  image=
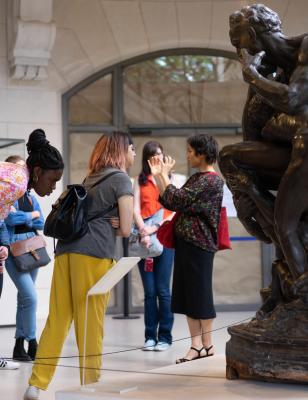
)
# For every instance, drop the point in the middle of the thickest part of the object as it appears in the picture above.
(267, 172)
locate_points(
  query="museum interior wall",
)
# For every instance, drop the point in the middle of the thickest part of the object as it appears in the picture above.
(48, 47)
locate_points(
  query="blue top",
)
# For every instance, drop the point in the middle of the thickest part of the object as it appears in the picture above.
(4, 235)
(24, 218)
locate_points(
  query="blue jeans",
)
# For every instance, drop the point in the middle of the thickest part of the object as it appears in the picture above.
(158, 318)
(26, 300)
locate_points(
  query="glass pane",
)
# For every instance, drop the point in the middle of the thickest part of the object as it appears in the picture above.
(93, 104)
(174, 146)
(184, 89)
(9, 147)
(81, 146)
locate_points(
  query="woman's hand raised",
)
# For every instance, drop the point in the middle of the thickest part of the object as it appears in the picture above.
(158, 166)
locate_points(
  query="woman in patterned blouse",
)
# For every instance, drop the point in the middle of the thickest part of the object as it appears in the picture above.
(199, 203)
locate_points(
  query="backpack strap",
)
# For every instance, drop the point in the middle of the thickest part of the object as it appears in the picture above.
(110, 208)
(102, 179)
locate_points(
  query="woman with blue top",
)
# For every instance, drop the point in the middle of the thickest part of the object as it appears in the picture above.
(23, 222)
(43, 169)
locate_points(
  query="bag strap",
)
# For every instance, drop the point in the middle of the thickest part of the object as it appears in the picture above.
(110, 208)
(102, 179)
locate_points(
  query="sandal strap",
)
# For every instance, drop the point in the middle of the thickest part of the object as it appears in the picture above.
(198, 351)
(181, 360)
(207, 349)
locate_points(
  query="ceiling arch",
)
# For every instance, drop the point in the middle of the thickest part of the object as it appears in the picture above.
(94, 34)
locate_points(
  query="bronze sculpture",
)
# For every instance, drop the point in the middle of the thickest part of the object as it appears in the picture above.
(267, 174)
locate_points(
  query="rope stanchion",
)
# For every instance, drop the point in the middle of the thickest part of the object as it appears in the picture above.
(122, 351)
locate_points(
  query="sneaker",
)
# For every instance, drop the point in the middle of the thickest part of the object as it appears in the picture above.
(5, 364)
(149, 345)
(162, 346)
(32, 393)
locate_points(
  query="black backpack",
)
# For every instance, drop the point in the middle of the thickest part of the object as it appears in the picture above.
(68, 219)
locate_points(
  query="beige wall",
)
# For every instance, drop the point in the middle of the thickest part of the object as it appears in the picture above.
(92, 34)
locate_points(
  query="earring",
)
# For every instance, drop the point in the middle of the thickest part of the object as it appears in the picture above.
(35, 179)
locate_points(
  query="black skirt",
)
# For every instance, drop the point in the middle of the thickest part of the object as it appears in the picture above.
(192, 292)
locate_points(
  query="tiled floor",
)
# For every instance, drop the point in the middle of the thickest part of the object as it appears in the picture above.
(127, 366)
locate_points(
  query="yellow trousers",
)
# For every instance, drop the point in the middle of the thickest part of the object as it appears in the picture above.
(73, 276)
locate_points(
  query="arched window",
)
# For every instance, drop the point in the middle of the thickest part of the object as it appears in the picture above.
(167, 96)
(171, 93)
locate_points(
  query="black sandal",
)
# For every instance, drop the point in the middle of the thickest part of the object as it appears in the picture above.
(182, 360)
(207, 349)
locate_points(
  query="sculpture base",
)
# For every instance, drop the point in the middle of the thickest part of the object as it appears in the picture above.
(274, 349)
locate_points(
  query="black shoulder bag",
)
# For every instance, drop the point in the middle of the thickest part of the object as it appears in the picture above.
(68, 219)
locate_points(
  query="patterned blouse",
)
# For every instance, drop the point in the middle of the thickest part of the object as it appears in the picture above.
(199, 202)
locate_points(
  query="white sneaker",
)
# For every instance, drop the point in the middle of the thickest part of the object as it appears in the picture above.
(149, 345)
(32, 393)
(162, 346)
(6, 364)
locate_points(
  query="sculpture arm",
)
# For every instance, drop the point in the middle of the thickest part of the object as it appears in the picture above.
(282, 97)
(276, 94)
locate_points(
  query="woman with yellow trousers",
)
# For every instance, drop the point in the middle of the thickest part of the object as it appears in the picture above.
(81, 263)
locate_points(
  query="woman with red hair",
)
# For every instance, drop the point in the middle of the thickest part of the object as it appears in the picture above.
(81, 263)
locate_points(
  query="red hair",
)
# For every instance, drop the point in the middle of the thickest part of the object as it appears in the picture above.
(110, 151)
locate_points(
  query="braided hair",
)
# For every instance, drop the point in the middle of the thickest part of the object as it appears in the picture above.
(42, 154)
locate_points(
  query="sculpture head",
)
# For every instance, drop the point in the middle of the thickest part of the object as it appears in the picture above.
(248, 26)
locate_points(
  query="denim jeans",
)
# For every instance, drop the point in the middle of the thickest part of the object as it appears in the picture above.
(26, 300)
(158, 318)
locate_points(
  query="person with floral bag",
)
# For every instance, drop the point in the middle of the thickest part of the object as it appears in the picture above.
(199, 204)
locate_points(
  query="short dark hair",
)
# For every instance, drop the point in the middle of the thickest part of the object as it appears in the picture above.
(204, 145)
(258, 16)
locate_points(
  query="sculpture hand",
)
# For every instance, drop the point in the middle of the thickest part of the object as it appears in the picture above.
(250, 63)
(239, 182)
(251, 60)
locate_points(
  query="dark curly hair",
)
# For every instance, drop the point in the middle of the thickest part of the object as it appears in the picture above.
(42, 154)
(204, 145)
(258, 16)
